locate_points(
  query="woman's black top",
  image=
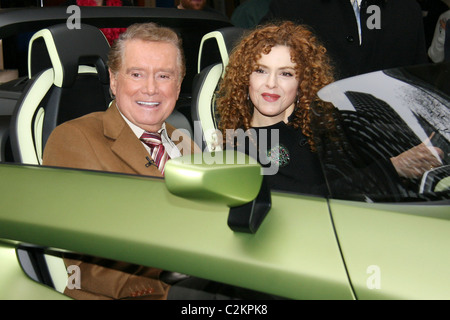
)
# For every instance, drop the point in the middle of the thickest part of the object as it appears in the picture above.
(296, 167)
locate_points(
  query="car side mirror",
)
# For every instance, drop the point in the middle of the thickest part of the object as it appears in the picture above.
(228, 177)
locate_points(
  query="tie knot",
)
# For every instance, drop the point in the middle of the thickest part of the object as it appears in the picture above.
(151, 138)
(157, 150)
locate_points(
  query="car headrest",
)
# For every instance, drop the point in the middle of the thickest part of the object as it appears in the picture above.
(203, 109)
(216, 46)
(65, 49)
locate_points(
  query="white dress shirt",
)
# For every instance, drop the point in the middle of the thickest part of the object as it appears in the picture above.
(357, 19)
(171, 148)
(436, 49)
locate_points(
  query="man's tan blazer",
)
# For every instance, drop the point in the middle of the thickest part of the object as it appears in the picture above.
(104, 141)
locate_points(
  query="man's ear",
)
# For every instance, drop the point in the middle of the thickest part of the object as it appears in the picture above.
(179, 89)
(112, 82)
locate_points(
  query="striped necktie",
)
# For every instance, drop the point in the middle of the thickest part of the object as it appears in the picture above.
(157, 150)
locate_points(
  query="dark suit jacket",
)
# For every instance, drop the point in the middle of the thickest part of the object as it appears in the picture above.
(103, 141)
(399, 42)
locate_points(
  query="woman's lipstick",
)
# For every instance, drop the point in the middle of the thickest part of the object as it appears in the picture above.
(269, 97)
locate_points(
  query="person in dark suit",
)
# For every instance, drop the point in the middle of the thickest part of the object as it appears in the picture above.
(146, 70)
(392, 32)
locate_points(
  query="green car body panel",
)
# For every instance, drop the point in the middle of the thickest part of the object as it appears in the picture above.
(294, 253)
(395, 251)
(361, 251)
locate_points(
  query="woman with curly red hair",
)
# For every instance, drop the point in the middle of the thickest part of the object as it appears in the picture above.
(268, 108)
(271, 81)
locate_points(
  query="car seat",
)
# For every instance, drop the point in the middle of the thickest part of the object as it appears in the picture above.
(214, 51)
(68, 78)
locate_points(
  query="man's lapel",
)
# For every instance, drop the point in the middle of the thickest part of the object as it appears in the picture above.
(126, 145)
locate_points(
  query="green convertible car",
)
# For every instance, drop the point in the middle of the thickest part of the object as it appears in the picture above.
(374, 236)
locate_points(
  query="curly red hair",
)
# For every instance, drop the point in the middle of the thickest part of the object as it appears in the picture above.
(313, 70)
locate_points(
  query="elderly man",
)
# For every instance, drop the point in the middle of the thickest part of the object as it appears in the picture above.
(146, 69)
